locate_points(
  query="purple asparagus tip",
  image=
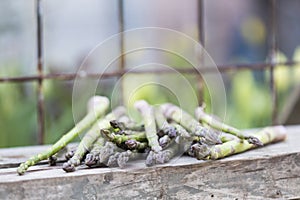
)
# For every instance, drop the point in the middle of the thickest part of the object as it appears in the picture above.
(68, 167)
(200, 151)
(255, 141)
(90, 160)
(131, 144)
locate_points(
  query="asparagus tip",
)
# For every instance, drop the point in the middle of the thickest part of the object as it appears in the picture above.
(156, 148)
(21, 169)
(113, 160)
(140, 104)
(69, 154)
(172, 132)
(114, 123)
(150, 160)
(123, 158)
(200, 151)
(52, 160)
(96, 101)
(68, 167)
(211, 137)
(108, 150)
(164, 141)
(255, 141)
(131, 144)
(162, 157)
(90, 160)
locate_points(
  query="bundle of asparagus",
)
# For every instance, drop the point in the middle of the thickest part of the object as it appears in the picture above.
(114, 139)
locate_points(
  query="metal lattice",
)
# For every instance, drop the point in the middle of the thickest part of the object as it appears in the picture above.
(40, 77)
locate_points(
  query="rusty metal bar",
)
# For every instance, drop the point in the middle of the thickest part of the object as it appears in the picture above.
(207, 69)
(272, 56)
(200, 15)
(201, 38)
(122, 59)
(40, 96)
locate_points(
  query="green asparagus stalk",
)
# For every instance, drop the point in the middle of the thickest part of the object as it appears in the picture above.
(120, 139)
(195, 139)
(97, 107)
(266, 136)
(203, 117)
(150, 127)
(52, 160)
(189, 123)
(90, 137)
(182, 132)
(125, 119)
(225, 137)
(93, 157)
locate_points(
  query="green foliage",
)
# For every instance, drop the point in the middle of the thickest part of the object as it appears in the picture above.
(249, 101)
(58, 106)
(18, 118)
(17, 112)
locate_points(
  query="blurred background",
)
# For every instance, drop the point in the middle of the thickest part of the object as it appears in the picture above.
(236, 32)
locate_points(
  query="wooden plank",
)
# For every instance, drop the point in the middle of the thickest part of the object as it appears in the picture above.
(12, 157)
(265, 173)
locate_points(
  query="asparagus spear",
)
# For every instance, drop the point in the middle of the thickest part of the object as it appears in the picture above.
(92, 157)
(181, 132)
(120, 159)
(97, 106)
(117, 124)
(136, 145)
(151, 159)
(203, 117)
(225, 137)
(167, 154)
(101, 155)
(70, 154)
(120, 139)
(189, 123)
(164, 127)
(113, 160)
(150, 127)
(164, 141)
(52, 160)
(266, 136)
(90, 137)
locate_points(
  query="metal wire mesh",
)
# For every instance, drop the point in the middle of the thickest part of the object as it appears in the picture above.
(40, 77)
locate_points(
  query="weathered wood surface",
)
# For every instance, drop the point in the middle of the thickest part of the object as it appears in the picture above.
(12, 157)
(265, 173)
